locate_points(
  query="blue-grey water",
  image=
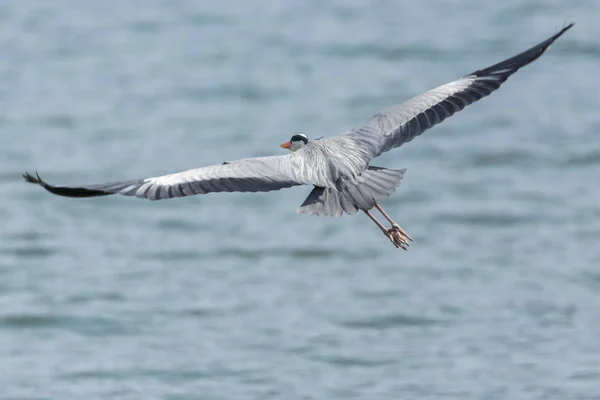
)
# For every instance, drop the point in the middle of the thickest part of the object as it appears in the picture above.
(235, 296)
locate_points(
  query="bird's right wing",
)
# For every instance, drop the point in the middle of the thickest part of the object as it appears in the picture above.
(261, 174)
(401, 124)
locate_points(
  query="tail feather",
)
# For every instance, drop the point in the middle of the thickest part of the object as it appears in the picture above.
(373, 185)
(347, 205)
(363, 201)
(324, 201)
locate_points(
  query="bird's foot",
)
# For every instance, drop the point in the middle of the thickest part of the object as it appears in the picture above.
(401, 231)
(397, 238)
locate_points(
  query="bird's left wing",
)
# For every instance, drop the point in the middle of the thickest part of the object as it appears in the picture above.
(401, 124)
(260, 174)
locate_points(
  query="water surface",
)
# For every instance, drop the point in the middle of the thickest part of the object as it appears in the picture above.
(236, 296)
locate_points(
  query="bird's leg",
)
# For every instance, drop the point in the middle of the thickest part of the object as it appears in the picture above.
(394, 224)
(394, 235)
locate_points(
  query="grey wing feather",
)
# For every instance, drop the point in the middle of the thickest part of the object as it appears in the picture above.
(372, 185)
(259, 174)
(402, 123)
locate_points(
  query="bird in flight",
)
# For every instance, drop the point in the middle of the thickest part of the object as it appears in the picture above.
(338, 168)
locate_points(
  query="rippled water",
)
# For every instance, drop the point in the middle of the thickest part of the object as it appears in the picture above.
(236, 296)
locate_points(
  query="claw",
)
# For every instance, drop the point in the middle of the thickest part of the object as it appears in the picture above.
(402, 231)
(396, 234)
(396, 238)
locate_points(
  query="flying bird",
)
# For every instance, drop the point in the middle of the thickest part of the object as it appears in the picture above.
(338, 168)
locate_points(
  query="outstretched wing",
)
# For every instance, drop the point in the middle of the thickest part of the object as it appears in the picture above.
(401, 124)
(261, 174)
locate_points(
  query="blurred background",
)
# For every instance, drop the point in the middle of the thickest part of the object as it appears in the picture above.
(235, 296)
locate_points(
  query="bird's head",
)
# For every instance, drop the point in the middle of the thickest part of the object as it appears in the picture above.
(296, 142)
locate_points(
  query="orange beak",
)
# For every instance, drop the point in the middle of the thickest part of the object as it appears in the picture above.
(286, 145)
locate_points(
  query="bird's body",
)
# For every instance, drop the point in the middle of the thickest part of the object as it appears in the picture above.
(338, 167)
(326, 161)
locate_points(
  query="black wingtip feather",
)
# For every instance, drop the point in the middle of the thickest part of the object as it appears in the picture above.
(504, 69)
(29, 178)
(61, 190)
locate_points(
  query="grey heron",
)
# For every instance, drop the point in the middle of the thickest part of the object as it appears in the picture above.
(338, 168)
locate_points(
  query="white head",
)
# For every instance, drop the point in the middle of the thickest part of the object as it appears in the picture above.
(296, 142)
